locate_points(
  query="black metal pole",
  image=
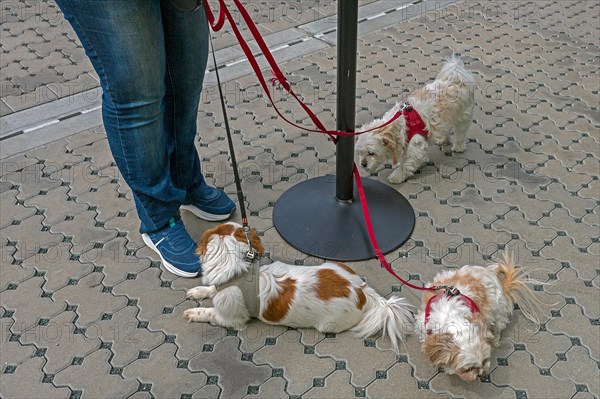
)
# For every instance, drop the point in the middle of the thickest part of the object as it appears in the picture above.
(346, 84)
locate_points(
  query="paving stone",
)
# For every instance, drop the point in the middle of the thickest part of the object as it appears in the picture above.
(455, 386)
(98, 151)
(128, 223)
(55, 205)
(57, 266)
(271, 388)
(578, 358)
(29, 178)
(13, 352)
(544, 346)
(29, 305)
(252, 338)
(30, 374)
(89, 297)
(84, 231)
(18, 212)
(581, 261)
(181, 381)
(207, 391)
(117, 261)
(514, 223)
(575, 325)
(352, 351)
(337, 384)
(13, 274)
(574, 181)
(108, 200)
(559, 219)
(189, 337)
(103, 384)
(60, 340)
(219, 363)
(529, 204)
(152, 298)
(125, 333)
(80, 177)
(527, 377)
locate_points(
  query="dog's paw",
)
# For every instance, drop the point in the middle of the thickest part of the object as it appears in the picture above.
(397, 177)
(459, 147)
(199, 293)
(198, 315)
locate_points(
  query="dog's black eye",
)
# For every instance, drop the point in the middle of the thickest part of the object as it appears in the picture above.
(371, 153)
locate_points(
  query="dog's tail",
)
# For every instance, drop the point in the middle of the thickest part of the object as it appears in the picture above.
(517, 290)
(390, 316)
(454, 71)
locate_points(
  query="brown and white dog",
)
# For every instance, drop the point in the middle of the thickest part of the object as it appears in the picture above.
(458, 332)
(330, 297)
(440, 113)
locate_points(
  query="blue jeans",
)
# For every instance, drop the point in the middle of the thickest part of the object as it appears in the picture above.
(151, 59)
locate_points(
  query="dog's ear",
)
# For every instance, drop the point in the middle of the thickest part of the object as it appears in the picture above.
(440, 348)
(222, 229)
(256, 242)
(389, 141)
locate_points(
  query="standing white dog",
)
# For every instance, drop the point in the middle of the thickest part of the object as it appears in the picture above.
(430, 115)
(330, 297)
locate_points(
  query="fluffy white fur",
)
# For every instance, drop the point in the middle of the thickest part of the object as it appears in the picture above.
(461, 341)
(446, 107)
(329, 297)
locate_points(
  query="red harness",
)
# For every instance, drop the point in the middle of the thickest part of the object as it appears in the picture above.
(414, 123)
(451, 292)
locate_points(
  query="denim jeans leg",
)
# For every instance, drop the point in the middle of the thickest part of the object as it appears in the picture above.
(186, 45)
(125, 42)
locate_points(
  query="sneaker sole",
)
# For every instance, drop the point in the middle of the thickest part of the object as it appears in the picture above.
(210, 217)
(166, 264)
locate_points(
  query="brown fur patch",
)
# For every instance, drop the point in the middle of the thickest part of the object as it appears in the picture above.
(390, 141)
(277, 308)
(331, 285)
(440, 348)
(222, 230)
(362, 299)
(345, 267)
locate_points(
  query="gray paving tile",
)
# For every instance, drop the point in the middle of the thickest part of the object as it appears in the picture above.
(30, 374)
(104, 384)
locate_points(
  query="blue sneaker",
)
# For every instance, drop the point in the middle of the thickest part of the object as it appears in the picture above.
(214, 205)
(176, 249)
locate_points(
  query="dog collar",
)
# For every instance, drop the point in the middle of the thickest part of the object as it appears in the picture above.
(414, 123)
(450, 292)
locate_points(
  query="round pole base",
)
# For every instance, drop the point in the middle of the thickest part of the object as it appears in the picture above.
(310, 218)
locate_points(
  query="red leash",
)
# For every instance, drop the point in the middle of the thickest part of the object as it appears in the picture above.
(280, 77)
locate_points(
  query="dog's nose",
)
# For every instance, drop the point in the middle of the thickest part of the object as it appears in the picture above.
(363, 164)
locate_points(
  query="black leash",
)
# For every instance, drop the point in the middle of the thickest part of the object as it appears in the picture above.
(251, 254)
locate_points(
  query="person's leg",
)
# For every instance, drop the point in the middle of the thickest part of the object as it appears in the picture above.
(125, 42)
(186, 45)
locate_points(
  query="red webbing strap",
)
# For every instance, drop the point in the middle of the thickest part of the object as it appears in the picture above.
(278, 74)
(224, 13)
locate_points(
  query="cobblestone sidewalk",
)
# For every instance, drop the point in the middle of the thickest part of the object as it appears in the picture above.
(86, 311)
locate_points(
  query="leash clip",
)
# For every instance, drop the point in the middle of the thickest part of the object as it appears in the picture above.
(407, 106)
(251, 253)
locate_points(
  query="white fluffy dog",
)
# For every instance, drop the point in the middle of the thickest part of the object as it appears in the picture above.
(431, 115)
(459, 331)
(330, 297)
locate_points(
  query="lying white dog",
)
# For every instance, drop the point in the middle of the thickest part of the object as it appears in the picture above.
(430, 115)
(330, 297)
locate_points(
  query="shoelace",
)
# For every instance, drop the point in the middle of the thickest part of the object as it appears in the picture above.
(177, 234)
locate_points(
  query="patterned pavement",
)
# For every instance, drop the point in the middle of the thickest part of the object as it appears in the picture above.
(86, 311)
